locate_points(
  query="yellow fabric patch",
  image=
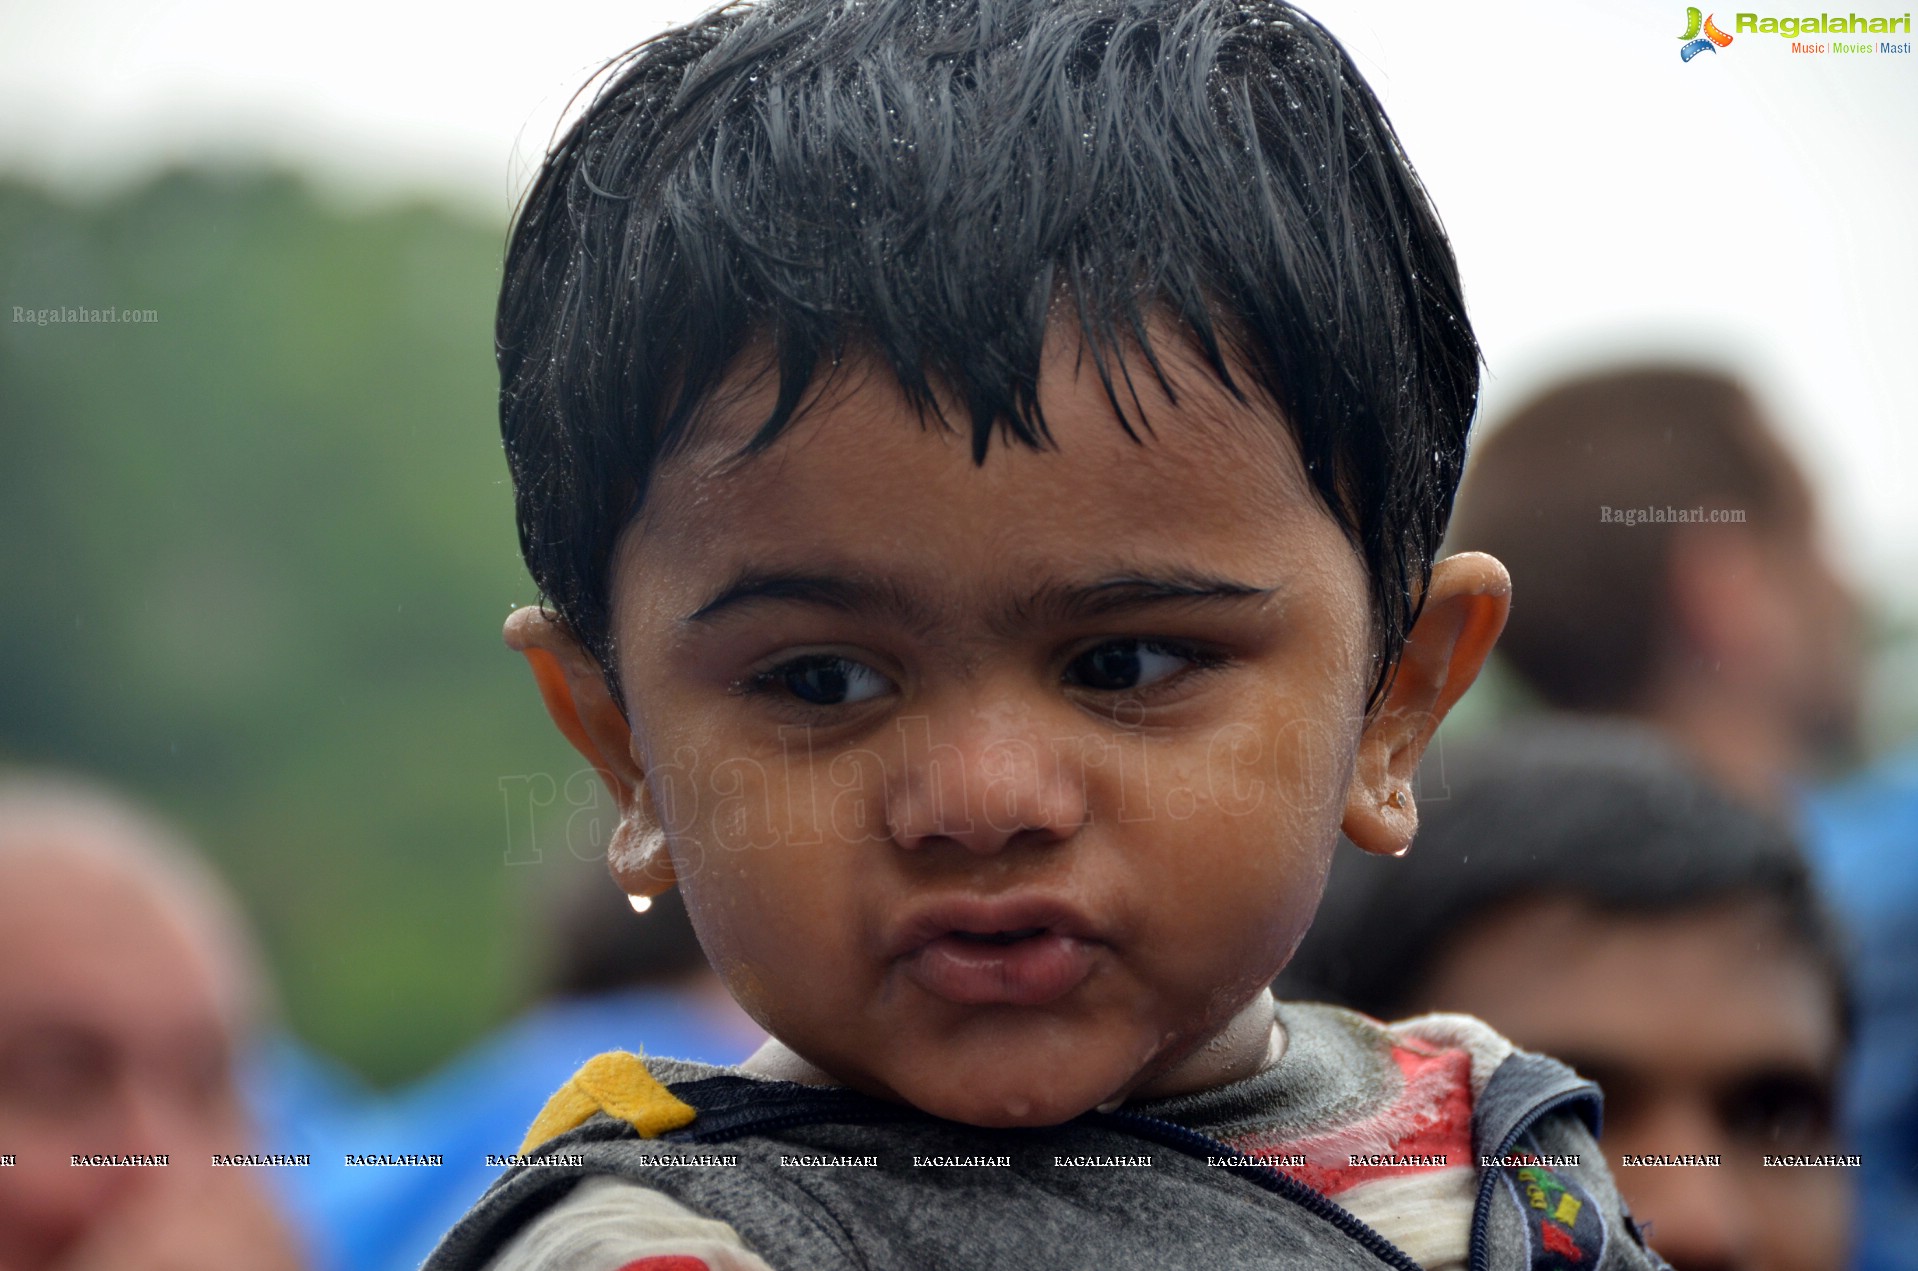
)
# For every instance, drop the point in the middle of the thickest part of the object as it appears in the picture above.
(617, 1084)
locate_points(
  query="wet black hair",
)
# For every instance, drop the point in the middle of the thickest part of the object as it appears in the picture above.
(1605, 813)
(929, 182)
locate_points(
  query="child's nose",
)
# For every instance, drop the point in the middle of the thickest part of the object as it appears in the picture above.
(986, 781)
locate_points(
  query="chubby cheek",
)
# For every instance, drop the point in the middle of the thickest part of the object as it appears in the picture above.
(1226, 883)
(1255, 856)
(770, 896)
(1238, 909)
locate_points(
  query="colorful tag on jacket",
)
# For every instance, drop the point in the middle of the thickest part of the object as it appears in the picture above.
(1563, 1224)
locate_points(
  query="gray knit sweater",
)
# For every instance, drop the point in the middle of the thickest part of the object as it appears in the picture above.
(1544, 1198)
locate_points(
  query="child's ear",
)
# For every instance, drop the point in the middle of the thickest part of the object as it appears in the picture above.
(1465, 608)
(577, 697)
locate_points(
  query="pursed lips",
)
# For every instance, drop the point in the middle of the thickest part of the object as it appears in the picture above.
(977, 951)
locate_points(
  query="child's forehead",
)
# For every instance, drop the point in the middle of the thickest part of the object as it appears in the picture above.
(859, 489)
(1173, 413)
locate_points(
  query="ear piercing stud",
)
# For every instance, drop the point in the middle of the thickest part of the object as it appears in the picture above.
(1398, 799)
(640, 904)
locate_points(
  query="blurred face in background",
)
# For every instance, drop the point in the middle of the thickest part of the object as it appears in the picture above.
(1712, 1031)
(1775, 631)
(1824, 648)
(117, 1031)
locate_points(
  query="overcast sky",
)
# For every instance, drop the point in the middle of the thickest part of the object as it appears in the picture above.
(1753, 205)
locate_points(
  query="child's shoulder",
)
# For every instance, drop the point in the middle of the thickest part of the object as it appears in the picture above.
(755, 1174)
(1540, 1182)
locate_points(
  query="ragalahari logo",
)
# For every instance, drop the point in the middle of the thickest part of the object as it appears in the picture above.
(1696, 43)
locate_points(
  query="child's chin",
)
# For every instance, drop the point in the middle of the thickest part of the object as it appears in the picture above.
(1003, 1105)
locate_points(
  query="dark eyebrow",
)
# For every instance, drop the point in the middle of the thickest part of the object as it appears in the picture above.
(1134, 591)
(822, 590)
(1056, 601)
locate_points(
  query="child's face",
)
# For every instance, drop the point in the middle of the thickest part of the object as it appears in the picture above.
(1001, 790)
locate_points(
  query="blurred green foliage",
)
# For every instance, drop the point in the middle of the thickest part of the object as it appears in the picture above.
(256, 554)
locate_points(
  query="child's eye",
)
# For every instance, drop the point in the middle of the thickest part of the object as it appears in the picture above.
(824, 679)
(1119, 666)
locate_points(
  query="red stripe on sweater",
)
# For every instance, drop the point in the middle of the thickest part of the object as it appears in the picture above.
(1431, 1115)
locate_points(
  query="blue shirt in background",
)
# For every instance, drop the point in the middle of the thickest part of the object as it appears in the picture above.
(1863, 838)
(373, 1218)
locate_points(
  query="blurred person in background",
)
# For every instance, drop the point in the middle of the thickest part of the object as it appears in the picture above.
(1672, 948)
(1737, 639)
(128, 989)
(1733, 635)
(1865, 835)
(612, 977)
